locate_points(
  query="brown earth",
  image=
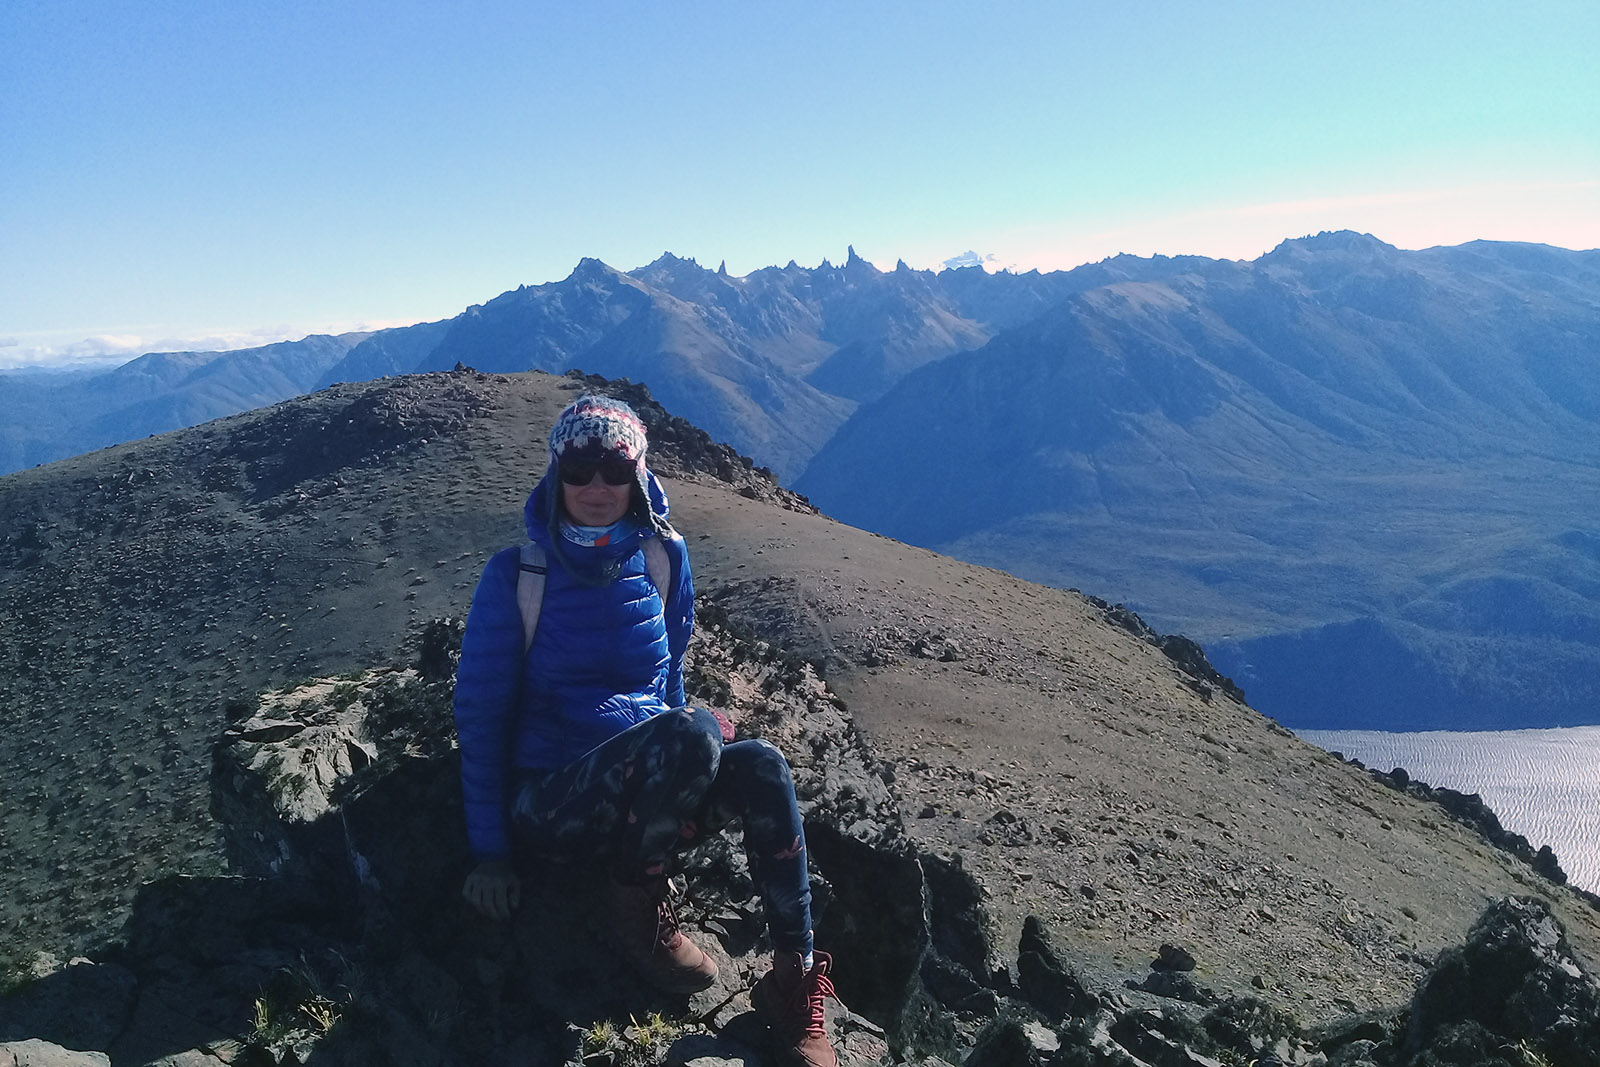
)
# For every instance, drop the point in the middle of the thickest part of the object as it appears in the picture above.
(1079, 775)
(1067, 764)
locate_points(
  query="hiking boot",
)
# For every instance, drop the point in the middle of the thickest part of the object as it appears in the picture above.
(789, 1000)
(646, 929)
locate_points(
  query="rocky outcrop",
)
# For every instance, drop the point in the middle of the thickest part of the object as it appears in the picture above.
(343, 939)
(1469, 808)
(1044, 979)
(1513, 994)
(277, 773)
(1515, 985)
(1187, 656)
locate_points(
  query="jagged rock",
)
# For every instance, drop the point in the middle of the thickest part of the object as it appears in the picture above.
(952, 984)
(1353, 1040)
(310, 752)
(957, 920)
(277, 771)
(1045, 980)
(1517, 979)
(1546, 863)
(1160, 1039)
(1135, 1039)
(32, 1053)
(1253, 1029)
(1006, 1042)
(875, 925)
(1044, 1039)
(858, 1042)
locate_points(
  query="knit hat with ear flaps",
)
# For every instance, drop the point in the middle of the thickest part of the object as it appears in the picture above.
(594, 426)
(602, 424)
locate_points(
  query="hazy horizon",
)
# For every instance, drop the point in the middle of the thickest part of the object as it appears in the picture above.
(114, 346)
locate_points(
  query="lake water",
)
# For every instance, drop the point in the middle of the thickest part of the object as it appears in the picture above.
(1544, 784)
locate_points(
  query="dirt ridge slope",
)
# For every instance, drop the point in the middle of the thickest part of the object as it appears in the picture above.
(1068, 765)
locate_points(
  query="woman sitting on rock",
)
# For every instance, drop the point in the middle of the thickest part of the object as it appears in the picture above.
(577, 741)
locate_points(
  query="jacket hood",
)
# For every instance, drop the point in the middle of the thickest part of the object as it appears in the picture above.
(539, 514)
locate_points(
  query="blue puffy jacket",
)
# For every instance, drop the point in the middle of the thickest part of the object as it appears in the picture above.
(607, 655)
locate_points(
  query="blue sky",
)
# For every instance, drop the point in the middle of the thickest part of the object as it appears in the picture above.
(212, 174)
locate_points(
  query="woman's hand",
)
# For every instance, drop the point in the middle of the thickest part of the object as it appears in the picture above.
(494, 889)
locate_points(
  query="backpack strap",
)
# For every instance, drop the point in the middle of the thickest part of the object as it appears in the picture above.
(659, 566)
(531, 573)
(533, 569)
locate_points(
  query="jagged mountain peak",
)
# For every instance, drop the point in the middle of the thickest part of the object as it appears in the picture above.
(591, 275)
(854, 264)
(591, 269)
(685, 278)
(1332, 241)
(667, 261)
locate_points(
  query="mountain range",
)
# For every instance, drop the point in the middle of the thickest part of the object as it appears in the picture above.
(48, 416)
(1366, 479)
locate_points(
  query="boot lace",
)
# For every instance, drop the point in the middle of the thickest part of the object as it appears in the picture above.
(668, 928)
(817, 986)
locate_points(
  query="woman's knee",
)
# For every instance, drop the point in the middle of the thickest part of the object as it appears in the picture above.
(694, 737)
(758, 763)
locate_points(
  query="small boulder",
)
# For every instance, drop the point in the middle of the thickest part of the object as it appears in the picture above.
(35, 1053)
(1172, 958)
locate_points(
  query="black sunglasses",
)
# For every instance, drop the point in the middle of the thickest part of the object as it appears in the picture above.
(613, 470)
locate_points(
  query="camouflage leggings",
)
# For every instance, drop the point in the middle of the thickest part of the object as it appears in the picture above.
(663, 785)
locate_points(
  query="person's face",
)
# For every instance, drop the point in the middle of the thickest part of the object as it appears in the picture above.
(590, 490)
